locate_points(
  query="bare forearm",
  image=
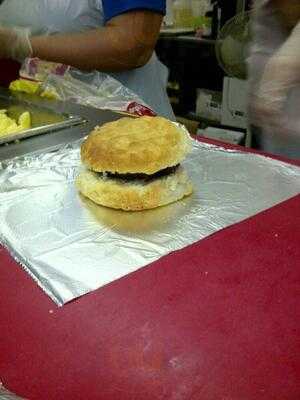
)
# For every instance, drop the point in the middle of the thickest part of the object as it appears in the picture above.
(86, 51)
(119, 46)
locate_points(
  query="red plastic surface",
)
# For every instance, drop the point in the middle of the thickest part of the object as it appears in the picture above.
(218, 320)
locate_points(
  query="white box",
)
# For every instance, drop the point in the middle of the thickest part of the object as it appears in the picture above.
(234, 103)
(209, 105)
(224, 135)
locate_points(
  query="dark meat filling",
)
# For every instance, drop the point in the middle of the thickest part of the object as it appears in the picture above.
(144, 177)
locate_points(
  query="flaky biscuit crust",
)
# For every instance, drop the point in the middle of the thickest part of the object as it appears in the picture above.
(142, 145)
(134, 196)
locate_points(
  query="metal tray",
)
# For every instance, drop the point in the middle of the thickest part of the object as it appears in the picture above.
(43, 119)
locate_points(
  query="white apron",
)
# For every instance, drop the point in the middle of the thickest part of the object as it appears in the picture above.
(54, 16)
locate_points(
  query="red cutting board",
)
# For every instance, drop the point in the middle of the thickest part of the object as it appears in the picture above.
(218, 320)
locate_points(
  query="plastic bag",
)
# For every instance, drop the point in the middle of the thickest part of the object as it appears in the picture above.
(94, 89)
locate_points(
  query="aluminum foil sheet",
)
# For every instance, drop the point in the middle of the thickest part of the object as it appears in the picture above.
(6, 395)
(71, 246)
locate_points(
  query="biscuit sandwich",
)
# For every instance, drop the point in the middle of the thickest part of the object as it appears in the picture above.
(134, 164)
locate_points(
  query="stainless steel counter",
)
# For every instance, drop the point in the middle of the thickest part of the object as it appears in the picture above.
(53, 139)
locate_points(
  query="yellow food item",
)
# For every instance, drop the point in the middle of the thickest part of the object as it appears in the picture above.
(9, 125)
(25, 86)
(50, 93)
(31, 87)
(25, 120)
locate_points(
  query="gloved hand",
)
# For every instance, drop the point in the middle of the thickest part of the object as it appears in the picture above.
(281, 74)
(15, 43)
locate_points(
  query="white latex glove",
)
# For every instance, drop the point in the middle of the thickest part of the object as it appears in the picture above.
(15, 43)
(281, 74)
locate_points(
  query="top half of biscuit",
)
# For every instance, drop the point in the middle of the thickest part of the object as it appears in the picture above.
(135, 145)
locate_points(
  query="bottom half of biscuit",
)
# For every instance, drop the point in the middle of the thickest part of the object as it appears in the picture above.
(134, 195)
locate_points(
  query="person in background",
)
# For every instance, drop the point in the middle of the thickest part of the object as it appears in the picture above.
(113, 36)
(274, 77)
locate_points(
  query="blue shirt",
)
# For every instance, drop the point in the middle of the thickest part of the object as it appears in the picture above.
(112, 8)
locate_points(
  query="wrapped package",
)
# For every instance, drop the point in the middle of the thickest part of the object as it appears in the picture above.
(94, 89)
